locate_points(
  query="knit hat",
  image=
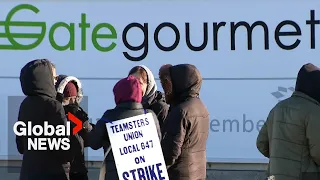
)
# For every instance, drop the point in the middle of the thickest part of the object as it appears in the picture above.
(127, 90)
(70, 90)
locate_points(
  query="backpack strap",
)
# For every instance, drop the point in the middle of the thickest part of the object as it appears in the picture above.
(103, 166)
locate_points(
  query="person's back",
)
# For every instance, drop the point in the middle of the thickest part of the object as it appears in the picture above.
(186, 128)
(289, 131)
(40, 105)
(290, 137)
(191, 164)
(128, 97)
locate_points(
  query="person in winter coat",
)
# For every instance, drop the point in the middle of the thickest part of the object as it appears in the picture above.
(186, 128)
(290, 135)
(70, 94)
(37, 80)
(128, 97)
(152, 99)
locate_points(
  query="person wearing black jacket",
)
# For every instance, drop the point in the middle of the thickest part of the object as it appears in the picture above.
(70, 95)
(128, 97)
(186, 130)
(37, 80)
(152, 98)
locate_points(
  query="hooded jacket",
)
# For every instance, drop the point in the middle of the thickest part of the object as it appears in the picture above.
(128, 97)
(40, 105)
(186, 128)
(153, 99)
(78, 141)
(290, 135)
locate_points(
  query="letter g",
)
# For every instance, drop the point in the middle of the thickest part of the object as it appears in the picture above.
(22, 131)
(38, 36)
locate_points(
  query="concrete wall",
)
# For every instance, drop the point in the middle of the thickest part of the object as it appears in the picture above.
(216, 171)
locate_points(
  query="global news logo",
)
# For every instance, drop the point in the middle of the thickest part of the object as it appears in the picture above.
(47, 137)
(283, 93)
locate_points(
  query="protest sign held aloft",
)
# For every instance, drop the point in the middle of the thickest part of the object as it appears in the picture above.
(136, 148)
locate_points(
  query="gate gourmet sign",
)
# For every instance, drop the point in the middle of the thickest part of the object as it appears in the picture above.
(259, 51)
(215, 28)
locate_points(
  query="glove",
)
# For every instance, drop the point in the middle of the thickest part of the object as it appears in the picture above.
(80, 114)
(77, 111)
(84, 116)
(72, 108)
(87, 126)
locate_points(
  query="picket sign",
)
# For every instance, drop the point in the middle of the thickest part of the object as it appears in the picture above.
(136, 148)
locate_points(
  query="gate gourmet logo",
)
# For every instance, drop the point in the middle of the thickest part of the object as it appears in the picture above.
(47, 137)
(177, 34)
(14, 45)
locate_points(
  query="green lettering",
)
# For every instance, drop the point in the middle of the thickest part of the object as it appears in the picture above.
(96, 36)
(70, 45)
(11, 36)
(39, 36)
(84, 25)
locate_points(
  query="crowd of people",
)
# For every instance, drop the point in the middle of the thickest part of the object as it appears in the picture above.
(181, 119)
(289, 137)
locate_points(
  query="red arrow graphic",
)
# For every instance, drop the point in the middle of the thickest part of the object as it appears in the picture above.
(77, 121)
